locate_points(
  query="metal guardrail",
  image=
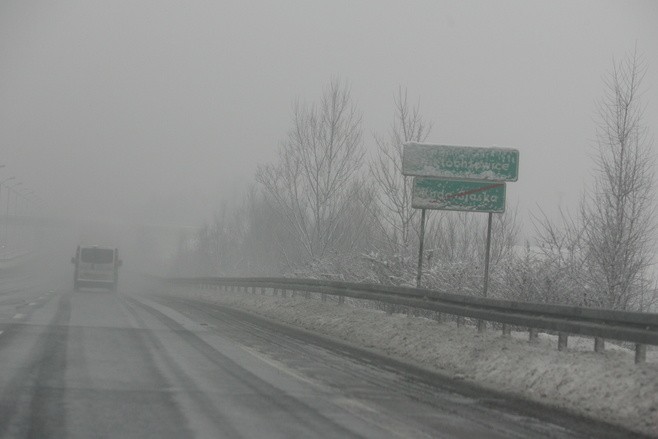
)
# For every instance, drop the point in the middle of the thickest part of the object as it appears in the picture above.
(635, 327)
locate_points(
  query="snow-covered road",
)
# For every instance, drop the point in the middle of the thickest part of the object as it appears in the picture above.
(154, 361)
(606, 386)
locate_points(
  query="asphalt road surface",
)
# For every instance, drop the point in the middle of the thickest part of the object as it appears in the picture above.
(137, 364)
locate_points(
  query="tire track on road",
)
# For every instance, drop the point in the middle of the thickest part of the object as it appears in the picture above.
(304, 418)
(32, 405)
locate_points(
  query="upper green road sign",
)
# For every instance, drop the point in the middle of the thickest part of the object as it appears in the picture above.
(460, 162)
(471, 196)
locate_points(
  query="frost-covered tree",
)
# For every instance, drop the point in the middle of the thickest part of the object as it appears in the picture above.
(603, 254)
(619, 210)
(396, 218)
(311, 184)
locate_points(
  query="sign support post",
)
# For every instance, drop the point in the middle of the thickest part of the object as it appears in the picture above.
(481, 323)
(419, 274)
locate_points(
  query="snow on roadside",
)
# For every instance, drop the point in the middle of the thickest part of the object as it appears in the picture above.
(606, 386)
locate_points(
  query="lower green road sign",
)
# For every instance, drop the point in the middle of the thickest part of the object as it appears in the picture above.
(471, 196)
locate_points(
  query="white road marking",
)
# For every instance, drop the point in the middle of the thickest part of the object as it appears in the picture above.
(19, 316)
(1, 332)
(32, 303)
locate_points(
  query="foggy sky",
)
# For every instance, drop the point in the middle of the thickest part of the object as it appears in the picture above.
(157, 110)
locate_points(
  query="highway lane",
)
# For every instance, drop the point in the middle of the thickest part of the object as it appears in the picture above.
(100, 364)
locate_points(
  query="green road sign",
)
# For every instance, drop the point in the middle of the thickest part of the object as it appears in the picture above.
(460, 162)
(471, 196)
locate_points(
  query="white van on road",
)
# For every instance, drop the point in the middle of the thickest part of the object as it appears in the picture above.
(96, 266)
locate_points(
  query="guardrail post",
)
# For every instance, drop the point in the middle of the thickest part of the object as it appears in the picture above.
(341, 300)
(562, 340)
(274, 292)
(283, 293)
(599, 344)
(460, 321)
(482, 325)
(640, 353)
(323, 297)
(307, 294)
(262, 291)
(438, 317)
(507, 330)
(533, 334)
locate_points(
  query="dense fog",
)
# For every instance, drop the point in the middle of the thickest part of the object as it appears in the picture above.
(137, 123)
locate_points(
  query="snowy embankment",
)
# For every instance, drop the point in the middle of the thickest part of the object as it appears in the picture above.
(607, 386)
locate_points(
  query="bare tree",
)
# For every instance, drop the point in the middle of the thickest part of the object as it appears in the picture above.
(557, 270)
(310, 185)
(619, 210)
(394, 190)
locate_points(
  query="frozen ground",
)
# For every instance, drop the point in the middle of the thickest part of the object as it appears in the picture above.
(607, 386)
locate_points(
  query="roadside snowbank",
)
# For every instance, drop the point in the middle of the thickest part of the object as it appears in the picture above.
(606, 386)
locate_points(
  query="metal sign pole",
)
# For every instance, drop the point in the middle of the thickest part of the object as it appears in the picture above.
(486, 257)
(419, 274)
(482, 325)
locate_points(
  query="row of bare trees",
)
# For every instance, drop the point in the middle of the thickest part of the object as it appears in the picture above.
(325, 208)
